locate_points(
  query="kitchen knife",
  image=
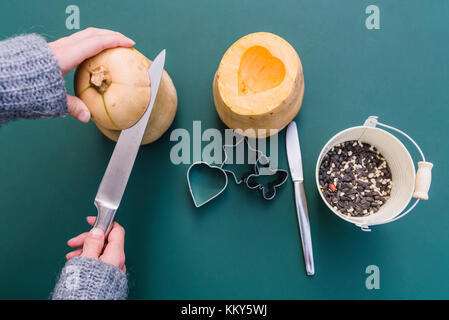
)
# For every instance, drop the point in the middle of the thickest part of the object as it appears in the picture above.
(117, 173)
(295, 165)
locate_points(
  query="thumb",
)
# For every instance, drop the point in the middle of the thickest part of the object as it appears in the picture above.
(77, 108)
(93, 245)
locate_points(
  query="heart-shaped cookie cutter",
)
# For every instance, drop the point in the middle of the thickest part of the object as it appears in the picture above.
(192, 193)
(224, 171)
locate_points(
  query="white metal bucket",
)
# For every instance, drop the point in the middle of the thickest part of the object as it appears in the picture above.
(401, 166)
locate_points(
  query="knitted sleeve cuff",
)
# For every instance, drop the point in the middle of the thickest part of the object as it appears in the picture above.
(90, 279)
(31, 83)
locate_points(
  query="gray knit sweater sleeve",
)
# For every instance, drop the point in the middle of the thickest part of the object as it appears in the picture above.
(90, 279)
(31, 83)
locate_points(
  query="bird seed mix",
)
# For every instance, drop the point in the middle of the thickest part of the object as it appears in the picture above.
(355, 178)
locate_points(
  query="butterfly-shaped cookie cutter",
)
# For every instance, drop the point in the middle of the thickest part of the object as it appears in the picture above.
(268, 192)
(249, 178)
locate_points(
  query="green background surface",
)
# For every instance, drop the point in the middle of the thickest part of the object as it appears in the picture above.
(238, 246)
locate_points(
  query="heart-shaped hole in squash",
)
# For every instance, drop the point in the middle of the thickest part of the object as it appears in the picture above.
(259, 71)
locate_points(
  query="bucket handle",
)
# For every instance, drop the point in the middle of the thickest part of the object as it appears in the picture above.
(423, 175)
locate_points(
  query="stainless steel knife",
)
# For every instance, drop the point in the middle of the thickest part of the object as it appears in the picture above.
(295, 165)
(117, 173)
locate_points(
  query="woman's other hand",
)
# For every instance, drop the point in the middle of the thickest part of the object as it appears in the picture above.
(72, 50)
(94, 245)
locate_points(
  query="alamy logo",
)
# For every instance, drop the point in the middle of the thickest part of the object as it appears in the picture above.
(189, 148)
(72, 22)
(373, 280)
(373, 20)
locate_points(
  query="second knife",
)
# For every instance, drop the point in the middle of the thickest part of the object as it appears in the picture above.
(295, 165)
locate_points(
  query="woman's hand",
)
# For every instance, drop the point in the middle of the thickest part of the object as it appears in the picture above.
(92, 245)
(72, 50)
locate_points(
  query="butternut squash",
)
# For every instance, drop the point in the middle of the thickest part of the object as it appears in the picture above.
(259, 85)
(116, 88)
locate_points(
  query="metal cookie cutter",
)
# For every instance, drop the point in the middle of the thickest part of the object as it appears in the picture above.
(253, 177)
(202, 192)
(243, 177)
(267, 191)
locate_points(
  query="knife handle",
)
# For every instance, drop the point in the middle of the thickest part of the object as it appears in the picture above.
(105, 217)
(304, 226)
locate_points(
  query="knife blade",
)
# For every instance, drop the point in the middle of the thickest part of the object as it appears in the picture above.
(296, 171)
(294, 152)
(115, 179)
